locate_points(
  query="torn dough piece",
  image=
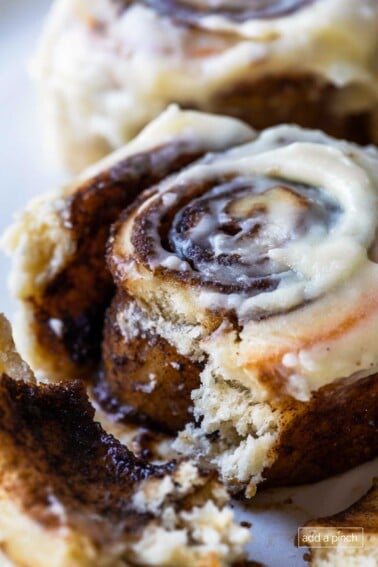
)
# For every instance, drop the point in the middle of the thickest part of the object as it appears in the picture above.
(72, 496)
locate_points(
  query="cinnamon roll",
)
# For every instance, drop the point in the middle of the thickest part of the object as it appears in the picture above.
(244, 310)
(353, 534)
(107, 67)
(260, 265)
(72, 496)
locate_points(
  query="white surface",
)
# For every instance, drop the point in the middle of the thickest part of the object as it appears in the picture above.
(26, 170)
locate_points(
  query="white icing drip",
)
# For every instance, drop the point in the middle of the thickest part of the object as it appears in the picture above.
(172, 262)
(57, 327)
(169, 199)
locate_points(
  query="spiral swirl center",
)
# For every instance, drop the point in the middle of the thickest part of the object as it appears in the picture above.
(227, 234)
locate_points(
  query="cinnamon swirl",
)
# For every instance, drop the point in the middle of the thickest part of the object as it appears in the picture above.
(72, 496)
(107, 67)
(244, 309)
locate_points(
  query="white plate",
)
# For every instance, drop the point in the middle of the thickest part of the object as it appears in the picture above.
(26, 169)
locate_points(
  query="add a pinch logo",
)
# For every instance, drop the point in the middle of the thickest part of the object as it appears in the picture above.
(342, 537)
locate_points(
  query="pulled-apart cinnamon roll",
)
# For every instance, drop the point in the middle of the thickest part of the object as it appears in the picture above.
(245, 308)
(72, 496)
(107, 67)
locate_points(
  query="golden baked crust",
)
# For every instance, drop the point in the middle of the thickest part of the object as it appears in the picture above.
(308, 450)
(218, 261)
(335, 431)
(75, 488)
(362, 516)
(145, 379)
(88, 213)
(90, 473)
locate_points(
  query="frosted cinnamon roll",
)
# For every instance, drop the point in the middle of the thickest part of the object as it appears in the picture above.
(243, 312)
(259, 265)
(107, 67)
(73, 496)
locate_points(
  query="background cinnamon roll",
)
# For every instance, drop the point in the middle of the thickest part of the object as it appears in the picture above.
(244, 307)
(107, 67)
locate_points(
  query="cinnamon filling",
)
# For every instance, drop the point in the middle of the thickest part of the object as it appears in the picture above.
(79, 295)
(224, 228)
